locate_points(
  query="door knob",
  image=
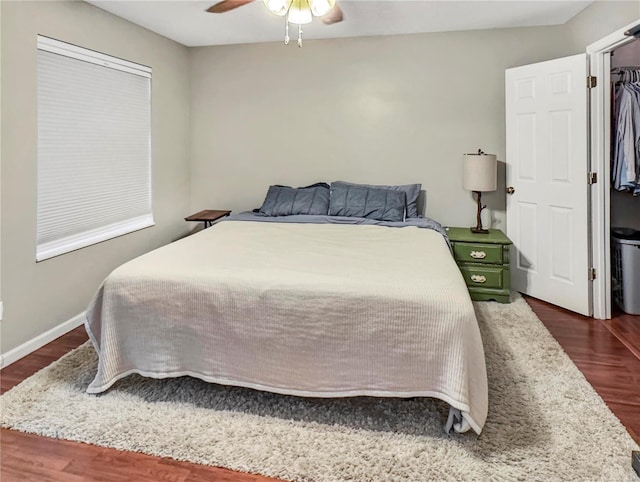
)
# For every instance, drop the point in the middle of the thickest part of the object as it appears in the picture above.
(510, 190)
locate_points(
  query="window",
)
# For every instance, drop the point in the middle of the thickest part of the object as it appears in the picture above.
(94, 148)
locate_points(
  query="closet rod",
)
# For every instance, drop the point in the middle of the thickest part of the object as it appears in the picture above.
(618, 70)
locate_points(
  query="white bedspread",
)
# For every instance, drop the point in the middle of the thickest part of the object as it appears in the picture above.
(302, 309)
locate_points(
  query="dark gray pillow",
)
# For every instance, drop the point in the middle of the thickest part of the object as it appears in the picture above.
(366, 202)
(412, 192)
(287, 201)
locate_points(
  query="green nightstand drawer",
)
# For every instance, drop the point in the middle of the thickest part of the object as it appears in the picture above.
(478, 253)
(484, 276)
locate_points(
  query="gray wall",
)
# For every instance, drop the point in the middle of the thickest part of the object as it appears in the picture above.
(394, 109)
(599, 20)
(382, 109)
(40, 296)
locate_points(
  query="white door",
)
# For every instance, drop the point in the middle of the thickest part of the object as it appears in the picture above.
(547, 165)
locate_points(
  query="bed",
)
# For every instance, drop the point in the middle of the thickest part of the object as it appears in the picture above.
(312, 306)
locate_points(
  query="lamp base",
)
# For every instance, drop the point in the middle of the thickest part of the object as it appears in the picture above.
(479, 229)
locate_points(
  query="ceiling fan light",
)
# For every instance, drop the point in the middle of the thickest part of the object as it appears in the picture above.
(300, 12)
(321, 7)
(279, 7)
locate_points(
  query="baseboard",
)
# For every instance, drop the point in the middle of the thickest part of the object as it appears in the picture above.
(39, 341)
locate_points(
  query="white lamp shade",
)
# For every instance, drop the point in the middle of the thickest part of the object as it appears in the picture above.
(480, 172)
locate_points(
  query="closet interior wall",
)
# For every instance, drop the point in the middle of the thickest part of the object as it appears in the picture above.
(625, 208)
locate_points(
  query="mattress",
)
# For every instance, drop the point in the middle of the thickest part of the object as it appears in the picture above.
(314, 310)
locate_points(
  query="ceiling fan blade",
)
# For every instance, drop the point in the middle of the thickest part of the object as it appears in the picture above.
(227, 5)
(334, 16)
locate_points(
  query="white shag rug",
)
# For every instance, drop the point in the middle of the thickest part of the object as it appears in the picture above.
(545, 421)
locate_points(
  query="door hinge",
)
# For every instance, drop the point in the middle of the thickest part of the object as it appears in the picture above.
(592, 274)
(592, 177)
(592, 81)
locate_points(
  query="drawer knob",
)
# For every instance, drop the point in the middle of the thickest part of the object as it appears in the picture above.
(478, 278)
(478, 254)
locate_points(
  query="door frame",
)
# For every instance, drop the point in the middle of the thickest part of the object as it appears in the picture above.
(599, 54)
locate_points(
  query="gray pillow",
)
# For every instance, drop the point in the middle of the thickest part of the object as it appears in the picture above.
(412, 192)
(287, 201)
(366, 202)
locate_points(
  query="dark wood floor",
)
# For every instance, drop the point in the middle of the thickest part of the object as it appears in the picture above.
(607, 353)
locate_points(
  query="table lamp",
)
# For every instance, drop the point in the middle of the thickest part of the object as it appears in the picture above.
(479, 175)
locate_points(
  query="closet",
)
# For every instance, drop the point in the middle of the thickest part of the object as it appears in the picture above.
(562, 232)
(625, 177)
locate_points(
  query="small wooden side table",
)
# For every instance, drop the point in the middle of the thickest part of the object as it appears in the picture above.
(207, 216)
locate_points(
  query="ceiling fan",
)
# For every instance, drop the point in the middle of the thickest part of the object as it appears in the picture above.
(295, 11)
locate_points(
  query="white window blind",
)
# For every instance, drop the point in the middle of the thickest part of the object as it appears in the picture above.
(94, 148)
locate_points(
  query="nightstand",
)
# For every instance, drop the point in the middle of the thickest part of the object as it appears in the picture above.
(207, 216)
(483, 260)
